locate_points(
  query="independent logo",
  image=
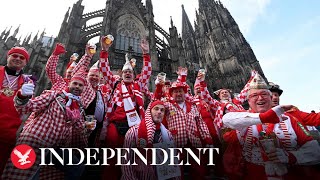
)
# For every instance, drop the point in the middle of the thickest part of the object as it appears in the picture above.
(23, 156)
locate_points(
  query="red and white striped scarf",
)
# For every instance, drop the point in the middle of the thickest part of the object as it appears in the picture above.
(118, 97)
(147, 130)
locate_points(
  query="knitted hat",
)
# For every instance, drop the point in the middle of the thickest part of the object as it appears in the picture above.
(80, 75)
(154, 103)
(19, 50)
(147, 128)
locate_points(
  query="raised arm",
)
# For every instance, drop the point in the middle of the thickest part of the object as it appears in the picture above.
(51, 68)
(182, 74)
(241, 120)
(213, 103)
(146, 69)
(308, 119)
(104, 63)
(182, 78)
(242, 96)
(84, 61)
(205, 95)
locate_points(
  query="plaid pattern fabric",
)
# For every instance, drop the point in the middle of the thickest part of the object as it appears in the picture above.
(11, 172)
(83, 63)
(88, 94)
(48, 129)
(186, 126)
(141, 171)
(142, 81)
(228, 107)
(213, 103)
(219, 107)
(243, 95)
(58, 83)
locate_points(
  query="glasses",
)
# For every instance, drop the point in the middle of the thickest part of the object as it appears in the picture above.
(255, 96)
(18, 56)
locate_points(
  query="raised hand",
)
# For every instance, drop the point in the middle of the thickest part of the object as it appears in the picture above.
(105, 45)
(27, 89)
(59, 49)
(88, 51)
(182, 71)
(144, 46)
(201, 74)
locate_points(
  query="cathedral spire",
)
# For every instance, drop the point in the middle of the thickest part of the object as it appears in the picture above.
(149, 5)
(79, 2)
(171, 22)
(3, 33)
(42, 34)
(35, 38)
(7, 33)
(28, 38)
(66, 15)
(187, 29)
(16, 31)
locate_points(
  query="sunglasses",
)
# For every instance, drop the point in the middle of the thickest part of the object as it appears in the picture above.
(16, 56)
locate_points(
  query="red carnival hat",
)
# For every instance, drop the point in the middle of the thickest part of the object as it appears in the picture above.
(177, 85)
(19, 50)
(80, 75)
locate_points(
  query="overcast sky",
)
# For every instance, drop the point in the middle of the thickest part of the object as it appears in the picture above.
(284, 35)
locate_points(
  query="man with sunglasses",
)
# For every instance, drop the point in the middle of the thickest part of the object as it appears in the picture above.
(11, 80)
(273, 143)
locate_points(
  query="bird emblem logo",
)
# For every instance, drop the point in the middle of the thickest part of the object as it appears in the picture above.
(23, 156)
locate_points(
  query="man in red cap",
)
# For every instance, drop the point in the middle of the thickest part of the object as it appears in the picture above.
(11, 79)
(126, 105)
(144, 135)
(59, 122)
(272, 143)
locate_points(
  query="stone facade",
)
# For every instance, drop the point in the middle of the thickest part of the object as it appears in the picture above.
(215, 43)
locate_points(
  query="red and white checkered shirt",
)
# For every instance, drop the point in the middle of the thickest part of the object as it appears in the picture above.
(187, 126)
(48, 128)
(220, 107)
(58, 83)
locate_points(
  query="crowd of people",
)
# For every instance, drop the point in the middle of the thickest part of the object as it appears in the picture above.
(90, 107)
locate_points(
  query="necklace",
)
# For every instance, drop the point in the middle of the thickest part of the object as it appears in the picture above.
(8, 91)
